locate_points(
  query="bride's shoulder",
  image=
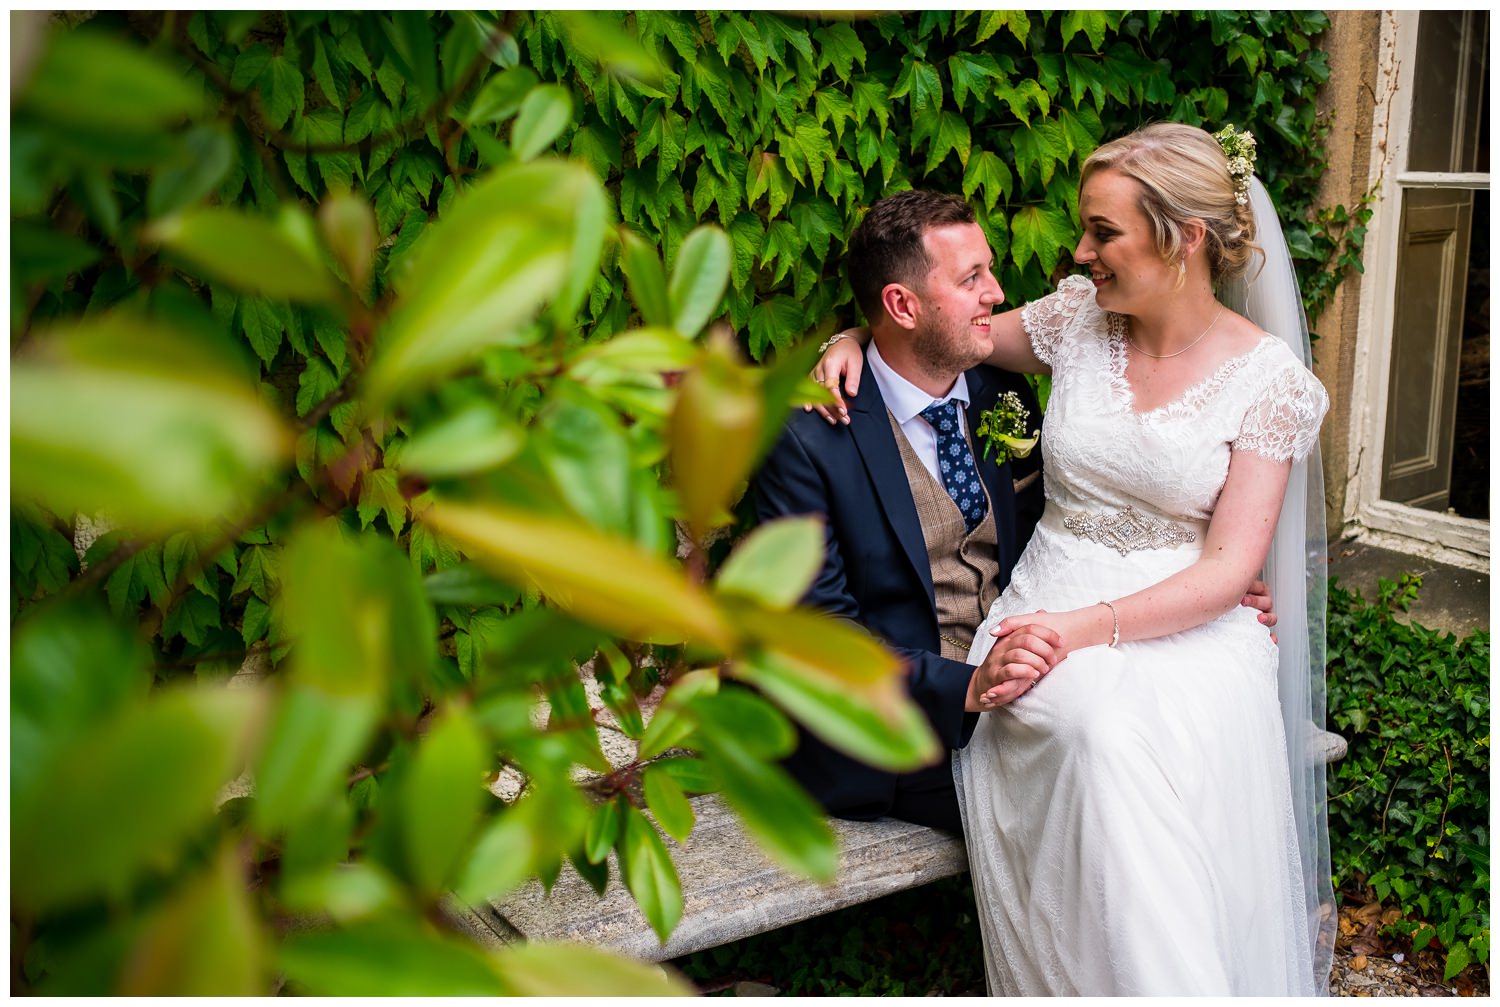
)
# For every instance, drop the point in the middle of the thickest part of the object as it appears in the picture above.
(1071, 307)
(1281, 372)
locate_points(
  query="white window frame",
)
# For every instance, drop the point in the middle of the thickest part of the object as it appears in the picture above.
(1461, 541)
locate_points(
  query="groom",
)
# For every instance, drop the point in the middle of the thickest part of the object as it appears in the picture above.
(922, 530)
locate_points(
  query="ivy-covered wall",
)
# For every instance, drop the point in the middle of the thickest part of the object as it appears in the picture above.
(782, 129)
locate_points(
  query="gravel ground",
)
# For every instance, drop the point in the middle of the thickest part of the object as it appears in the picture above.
(1367, 976)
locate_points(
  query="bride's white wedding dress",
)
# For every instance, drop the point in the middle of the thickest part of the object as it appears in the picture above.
(1129, 820)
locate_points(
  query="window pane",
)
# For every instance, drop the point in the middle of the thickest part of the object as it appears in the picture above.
(1450, 87)
(1471, 442)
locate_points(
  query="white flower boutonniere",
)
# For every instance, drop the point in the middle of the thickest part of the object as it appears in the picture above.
(1002, 428)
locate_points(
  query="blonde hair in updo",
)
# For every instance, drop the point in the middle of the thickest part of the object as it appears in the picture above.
(1184, 175)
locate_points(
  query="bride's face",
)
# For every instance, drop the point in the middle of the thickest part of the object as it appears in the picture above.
(1118, 247)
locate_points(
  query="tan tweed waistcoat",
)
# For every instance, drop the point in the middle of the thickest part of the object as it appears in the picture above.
(965, 566)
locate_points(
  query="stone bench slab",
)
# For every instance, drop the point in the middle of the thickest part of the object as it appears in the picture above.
(731, 890)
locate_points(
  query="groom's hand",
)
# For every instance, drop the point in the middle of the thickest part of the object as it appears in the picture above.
(1259, 598)
(1013, 665)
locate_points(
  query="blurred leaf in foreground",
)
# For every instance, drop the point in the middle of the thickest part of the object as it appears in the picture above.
(120, 415)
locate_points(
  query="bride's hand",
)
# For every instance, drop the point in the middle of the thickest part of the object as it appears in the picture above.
(1016, 663)
(843, 361)
(1067, 631)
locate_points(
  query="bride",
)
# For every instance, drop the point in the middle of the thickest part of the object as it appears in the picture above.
(1148, 818)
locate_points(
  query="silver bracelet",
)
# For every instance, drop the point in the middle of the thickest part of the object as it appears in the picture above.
(831, 340)
(1115, 640)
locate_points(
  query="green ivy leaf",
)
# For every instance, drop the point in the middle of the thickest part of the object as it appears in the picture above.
(1082, 130)
(380, 493)
(1023, 97)
(952, 135)
(257, 621)
(180, 553)
(599, 149)
(971, 72)
(257, 573)
(282, 91)
(871, 97)
(987, 170)
(767, 175)
(317, 382)
(1247, 49)
(1016, 21)
(1039, 149)
(920, 81)
(774, 323)
(1041, 231)
(839, 46)
(1091, 22)
(191, 618)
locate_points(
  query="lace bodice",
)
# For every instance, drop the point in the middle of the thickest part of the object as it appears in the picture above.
(1101, 453)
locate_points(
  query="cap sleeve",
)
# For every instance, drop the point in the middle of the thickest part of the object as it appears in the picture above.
(1282, 422)
(1046, 320)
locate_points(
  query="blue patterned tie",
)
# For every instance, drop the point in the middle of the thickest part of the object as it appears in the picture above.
(956, 462)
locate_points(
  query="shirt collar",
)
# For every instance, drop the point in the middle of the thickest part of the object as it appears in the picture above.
(904, 399)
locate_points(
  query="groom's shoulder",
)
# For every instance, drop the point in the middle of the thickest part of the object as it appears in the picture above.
(809, 428)
(987, 383)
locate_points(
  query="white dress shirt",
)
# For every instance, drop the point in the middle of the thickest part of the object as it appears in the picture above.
(906, 402)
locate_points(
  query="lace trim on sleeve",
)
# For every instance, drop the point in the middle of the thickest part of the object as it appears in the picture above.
(1045, 320)
(1282, 423)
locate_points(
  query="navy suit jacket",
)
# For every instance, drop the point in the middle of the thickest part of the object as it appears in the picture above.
(875, 569)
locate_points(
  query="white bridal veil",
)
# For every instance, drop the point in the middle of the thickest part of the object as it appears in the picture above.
(1297, 571)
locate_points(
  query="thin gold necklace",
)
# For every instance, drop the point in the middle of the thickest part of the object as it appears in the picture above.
(1176, 353)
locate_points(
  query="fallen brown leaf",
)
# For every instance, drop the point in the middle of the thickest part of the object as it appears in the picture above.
(1358, 963)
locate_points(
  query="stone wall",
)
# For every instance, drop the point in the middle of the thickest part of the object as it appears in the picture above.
(1347, 102)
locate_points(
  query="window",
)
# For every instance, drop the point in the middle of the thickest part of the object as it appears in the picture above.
(1428, 370)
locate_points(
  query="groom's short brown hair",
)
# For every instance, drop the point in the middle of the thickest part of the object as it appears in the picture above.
(887, 245)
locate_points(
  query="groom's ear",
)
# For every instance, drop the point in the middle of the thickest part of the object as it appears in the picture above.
(902, 304)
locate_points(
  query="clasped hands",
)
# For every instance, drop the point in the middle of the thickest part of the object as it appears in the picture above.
(1027, 647)
(1024, 651)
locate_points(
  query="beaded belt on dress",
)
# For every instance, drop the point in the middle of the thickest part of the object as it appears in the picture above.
(1124, 531)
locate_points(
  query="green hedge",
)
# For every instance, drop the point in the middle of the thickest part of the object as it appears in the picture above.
(1409, 806)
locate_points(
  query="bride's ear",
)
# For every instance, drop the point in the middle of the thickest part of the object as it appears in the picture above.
(902, 304)
(1194, 234)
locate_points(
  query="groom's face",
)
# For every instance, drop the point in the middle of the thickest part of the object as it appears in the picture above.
(958, 296)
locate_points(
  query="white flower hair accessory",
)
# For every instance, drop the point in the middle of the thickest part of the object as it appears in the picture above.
(1239, 148)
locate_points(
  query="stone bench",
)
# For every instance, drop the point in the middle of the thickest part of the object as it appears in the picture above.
(730, 889)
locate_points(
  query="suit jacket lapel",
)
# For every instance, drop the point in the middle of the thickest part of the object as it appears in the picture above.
(870, 425)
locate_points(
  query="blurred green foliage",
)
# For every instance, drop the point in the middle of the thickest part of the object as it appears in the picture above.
(1409, 807)
(297, 321)
(379, 398)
